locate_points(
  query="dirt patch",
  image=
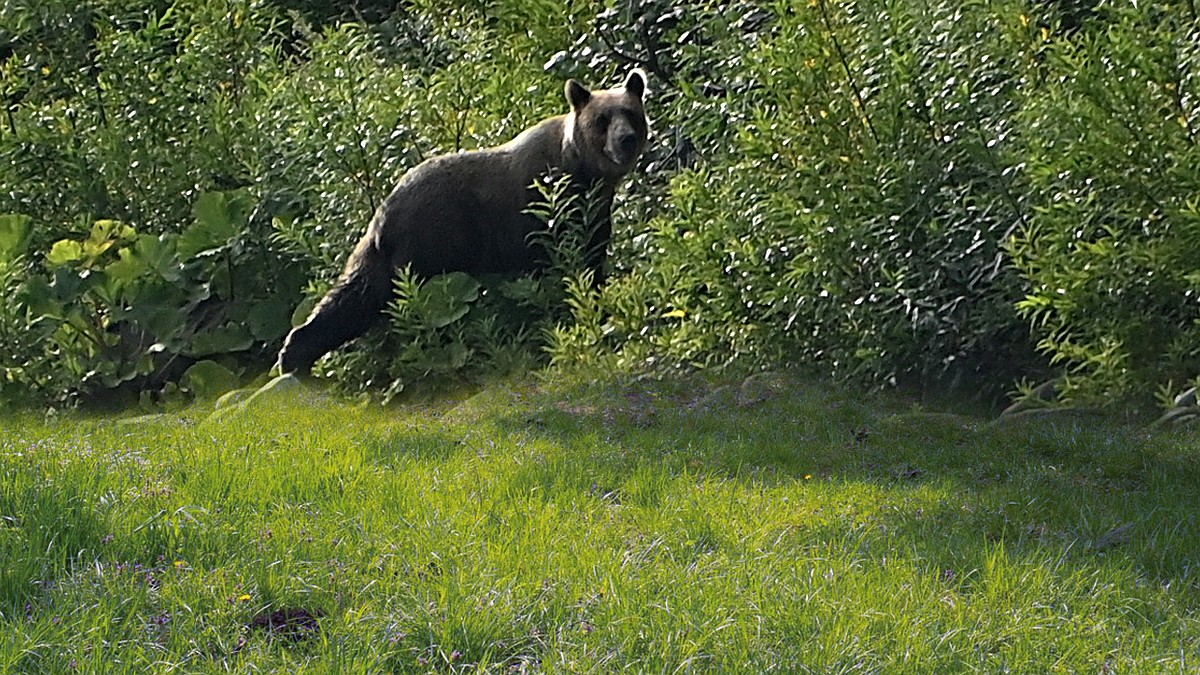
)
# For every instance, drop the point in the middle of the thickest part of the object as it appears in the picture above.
(291, 623)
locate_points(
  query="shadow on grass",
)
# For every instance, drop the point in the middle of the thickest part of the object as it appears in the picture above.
(949, 488)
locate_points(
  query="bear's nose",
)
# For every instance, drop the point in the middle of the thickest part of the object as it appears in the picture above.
(628, 142)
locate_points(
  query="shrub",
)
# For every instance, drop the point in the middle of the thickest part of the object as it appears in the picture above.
(851, 214)
(1109, 253)
(936, 194)
(119, 310)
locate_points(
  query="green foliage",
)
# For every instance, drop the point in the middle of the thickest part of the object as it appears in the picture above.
(916, 193)
(1110, 249)
(853, 211)
(693, 305)
(937, 194)
(445, 332)
(166, 108)
(123, 111)
(123, 310)
(209, 379)
(25, 359)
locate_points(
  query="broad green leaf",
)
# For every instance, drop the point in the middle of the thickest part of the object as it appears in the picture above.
(157, 253)
(64, 251)
(37, 295)
(221, 340)
(447, 299)
(128, 268)
(461, 286)
(145, 364)
(300, 314)
(441, 311)
(156, 308)
(111, 230)
(209, 379)
(270, 319)
(219, 216)
(95, 249)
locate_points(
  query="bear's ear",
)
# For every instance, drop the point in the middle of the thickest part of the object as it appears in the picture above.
(635, 82)
(577, 95)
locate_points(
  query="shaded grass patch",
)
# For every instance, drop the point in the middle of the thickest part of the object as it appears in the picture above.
(613, 525)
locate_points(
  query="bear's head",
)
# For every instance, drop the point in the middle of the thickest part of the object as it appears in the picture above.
(607, 129)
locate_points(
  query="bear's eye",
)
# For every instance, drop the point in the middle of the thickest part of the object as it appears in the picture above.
(602, 120)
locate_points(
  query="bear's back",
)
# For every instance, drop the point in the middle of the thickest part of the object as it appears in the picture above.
(460, 212)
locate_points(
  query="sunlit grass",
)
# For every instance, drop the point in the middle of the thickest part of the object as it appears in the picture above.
(597, 529)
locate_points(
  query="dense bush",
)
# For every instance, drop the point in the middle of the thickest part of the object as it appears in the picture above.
(856, 214)
(954, 196)
(1110, 252)
(925, 192)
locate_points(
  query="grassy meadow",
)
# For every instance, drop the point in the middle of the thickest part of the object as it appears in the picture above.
(772, 525)
(937, 196)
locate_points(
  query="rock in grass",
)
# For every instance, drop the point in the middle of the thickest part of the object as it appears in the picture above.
(1115, 537)
(761, 387)
(721, 398)
(279, 384)
(284, 384)
(233, 397)
(291, 623)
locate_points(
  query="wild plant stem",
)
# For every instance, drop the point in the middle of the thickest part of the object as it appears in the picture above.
(837, 46)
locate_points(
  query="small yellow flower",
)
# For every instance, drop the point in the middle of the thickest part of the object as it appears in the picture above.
(808, 476)
(1025, 21)
(244, 597)
(178, 564)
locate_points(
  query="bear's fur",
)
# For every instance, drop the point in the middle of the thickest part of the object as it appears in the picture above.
(466, 212)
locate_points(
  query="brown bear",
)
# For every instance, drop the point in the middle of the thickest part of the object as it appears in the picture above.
(466, 212)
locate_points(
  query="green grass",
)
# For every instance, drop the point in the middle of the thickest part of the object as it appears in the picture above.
(603, 528)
